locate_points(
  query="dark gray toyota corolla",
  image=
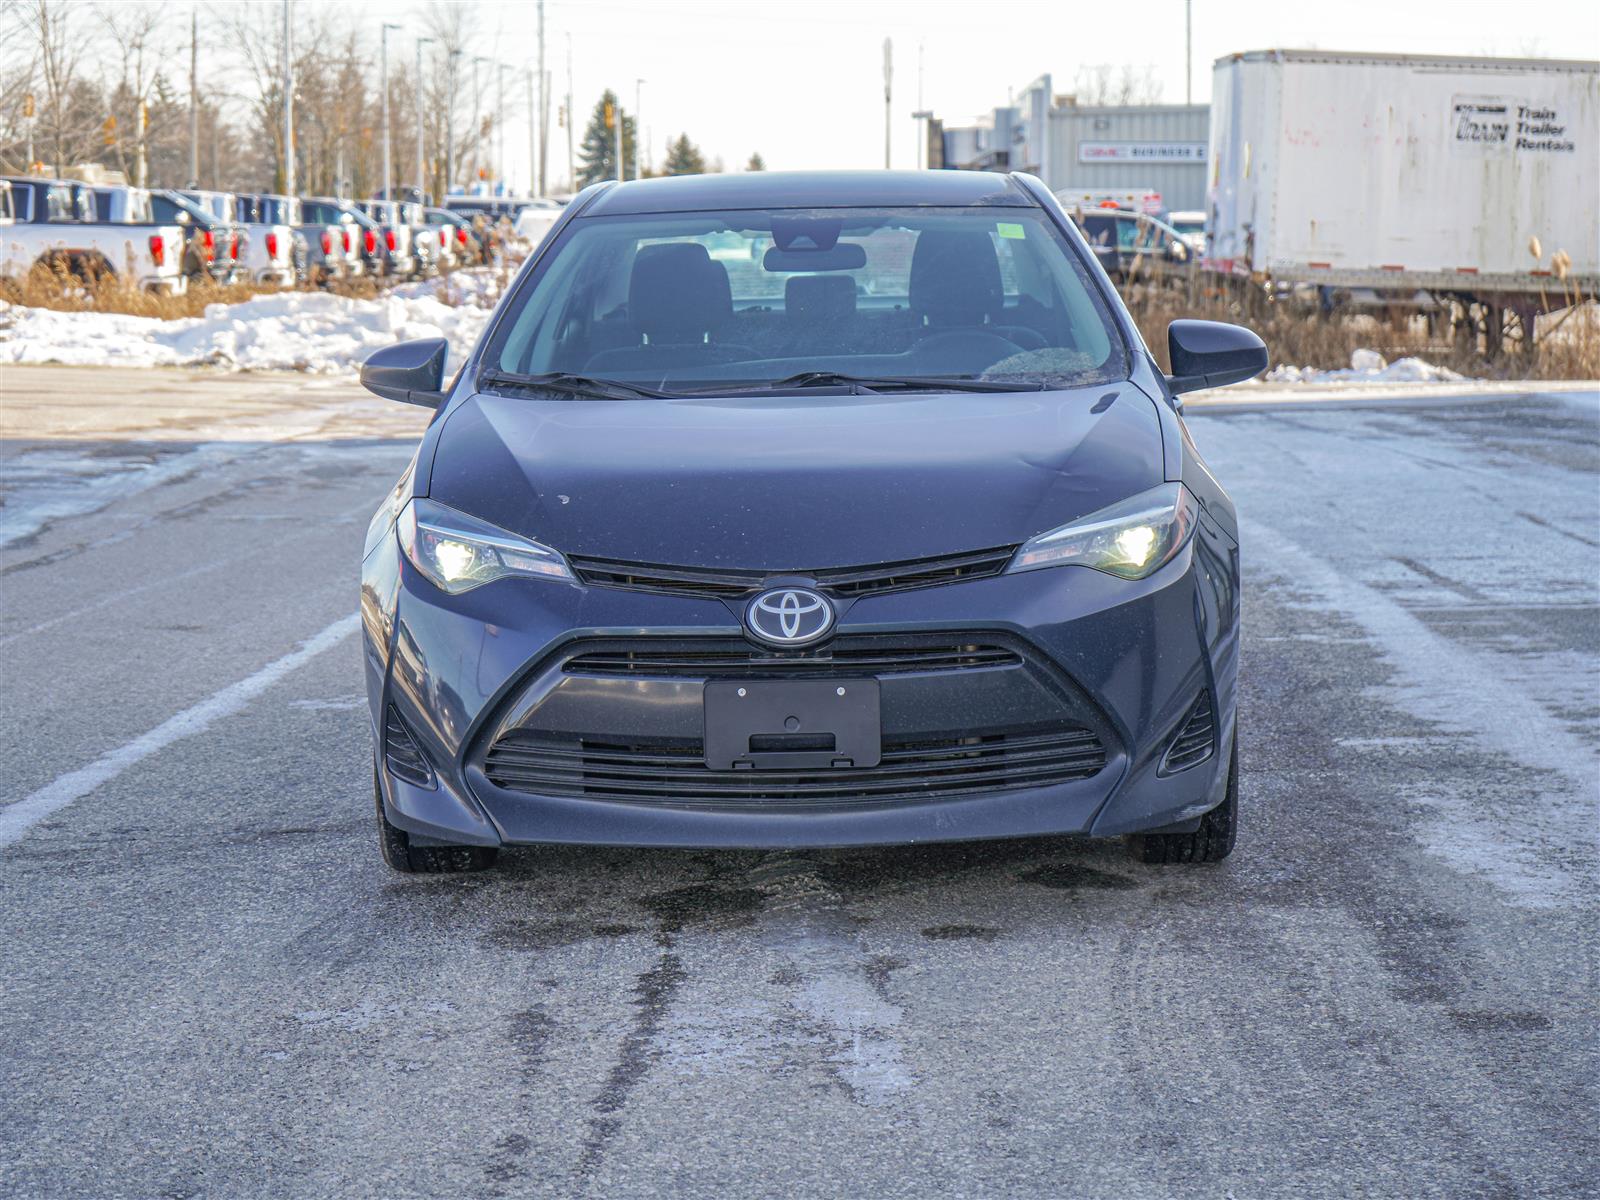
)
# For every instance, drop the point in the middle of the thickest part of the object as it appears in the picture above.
(806, 510)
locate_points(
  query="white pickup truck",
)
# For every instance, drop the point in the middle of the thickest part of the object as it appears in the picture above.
(55, 224)
(267, 253)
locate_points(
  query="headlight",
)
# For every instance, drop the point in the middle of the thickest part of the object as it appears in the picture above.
(458, 553)
(1130, 539)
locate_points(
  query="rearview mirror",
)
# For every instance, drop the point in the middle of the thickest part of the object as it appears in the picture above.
(411, 372)
(1207, 354)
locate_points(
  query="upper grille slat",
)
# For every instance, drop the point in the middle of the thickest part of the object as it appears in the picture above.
(713, 583)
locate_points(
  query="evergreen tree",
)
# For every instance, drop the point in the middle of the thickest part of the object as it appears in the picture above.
(598, 152)
(756, 163)
(684, 158)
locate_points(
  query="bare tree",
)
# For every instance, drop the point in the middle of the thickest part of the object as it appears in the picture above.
(129, 28)
(1107, 84)
(62, 125)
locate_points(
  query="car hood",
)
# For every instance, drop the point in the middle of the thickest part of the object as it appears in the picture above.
(795, 482)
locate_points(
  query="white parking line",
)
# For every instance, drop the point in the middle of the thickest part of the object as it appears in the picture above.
(17, 819)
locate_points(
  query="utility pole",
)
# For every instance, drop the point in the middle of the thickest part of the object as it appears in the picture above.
(383, 85)
(535, 162)
(544, 114)
(888, 96)
(1188, 51)
(638, 129)
(194, 98)
(288, 102)
(450, 127)
(572, 162)
(422, 179)
(616, 109)
(500, 127)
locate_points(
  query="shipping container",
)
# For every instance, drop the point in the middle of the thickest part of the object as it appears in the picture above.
(1475, 179)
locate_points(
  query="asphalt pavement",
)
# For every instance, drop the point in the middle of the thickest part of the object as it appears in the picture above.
(211, 987)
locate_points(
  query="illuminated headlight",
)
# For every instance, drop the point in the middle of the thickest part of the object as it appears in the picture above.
(1130, 539)
(458, 552)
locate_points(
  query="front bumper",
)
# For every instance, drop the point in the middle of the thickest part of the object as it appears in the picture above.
(545, 669)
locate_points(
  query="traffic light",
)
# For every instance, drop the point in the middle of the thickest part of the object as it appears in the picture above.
(611, 116)
(108, 131)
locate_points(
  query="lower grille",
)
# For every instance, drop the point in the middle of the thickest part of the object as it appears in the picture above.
(675, 775)
(849, 657)
(1195, 740)
(401, 753)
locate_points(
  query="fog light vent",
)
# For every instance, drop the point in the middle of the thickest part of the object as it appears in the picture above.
(1195, 741)
(401, 753)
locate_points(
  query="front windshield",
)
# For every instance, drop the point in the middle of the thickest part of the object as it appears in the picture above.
(686, 301)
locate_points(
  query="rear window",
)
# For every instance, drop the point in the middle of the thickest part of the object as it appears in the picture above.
(718, 299)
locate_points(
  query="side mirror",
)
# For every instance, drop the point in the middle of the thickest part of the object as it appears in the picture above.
(411, 372)
(1207, 354)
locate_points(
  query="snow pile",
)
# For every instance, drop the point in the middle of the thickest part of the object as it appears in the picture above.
(1366, 366)
(299, 331)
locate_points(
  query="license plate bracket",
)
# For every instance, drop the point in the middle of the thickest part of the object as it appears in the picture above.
(791, 722)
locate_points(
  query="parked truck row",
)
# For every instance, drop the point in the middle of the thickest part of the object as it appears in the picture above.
(170, 240)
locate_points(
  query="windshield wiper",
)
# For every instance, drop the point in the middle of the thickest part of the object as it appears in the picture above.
(573, 385)
(880, 383)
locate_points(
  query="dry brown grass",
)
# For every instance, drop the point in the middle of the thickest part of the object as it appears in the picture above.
(1566, 342)
(57, 289)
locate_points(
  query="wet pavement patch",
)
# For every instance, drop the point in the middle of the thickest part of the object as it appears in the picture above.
(1066, 876)
(958, 933)
(703, 903)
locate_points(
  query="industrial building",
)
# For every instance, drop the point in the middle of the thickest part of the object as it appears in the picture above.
(1073, 147)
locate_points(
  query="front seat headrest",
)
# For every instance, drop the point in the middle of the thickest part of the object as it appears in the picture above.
(677, 294)
(955, 278)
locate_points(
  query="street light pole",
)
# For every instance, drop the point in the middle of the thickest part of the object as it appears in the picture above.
(383, 85)
(450, 126)
(422, 186)
(544, 115)
(533, 140)
(1188, 51)
(888, 96)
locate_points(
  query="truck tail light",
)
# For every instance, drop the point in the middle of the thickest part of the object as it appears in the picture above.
(371, 241)
(158, 248)
(272, 245)
(327, 242)
(346, 235)
(233, 247)
(388, 239)
(208, 244)
(461, 234)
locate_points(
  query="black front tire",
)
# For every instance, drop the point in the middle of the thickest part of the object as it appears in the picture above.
(401, 855)
(1212, 842)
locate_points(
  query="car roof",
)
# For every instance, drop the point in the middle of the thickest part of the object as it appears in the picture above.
(811, 189)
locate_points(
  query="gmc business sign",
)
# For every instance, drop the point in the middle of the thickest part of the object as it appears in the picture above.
(1142, 152)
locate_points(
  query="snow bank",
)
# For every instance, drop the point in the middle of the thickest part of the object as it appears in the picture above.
(1366, 366)
(298, 331)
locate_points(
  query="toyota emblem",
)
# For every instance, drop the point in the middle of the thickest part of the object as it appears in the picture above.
(789, 616)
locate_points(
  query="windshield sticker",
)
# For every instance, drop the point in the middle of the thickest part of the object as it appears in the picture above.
(1007, 229)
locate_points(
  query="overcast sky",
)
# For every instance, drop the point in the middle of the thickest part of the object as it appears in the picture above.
(803, 82)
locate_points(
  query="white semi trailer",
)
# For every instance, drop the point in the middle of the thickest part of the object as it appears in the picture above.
(1471, 181)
